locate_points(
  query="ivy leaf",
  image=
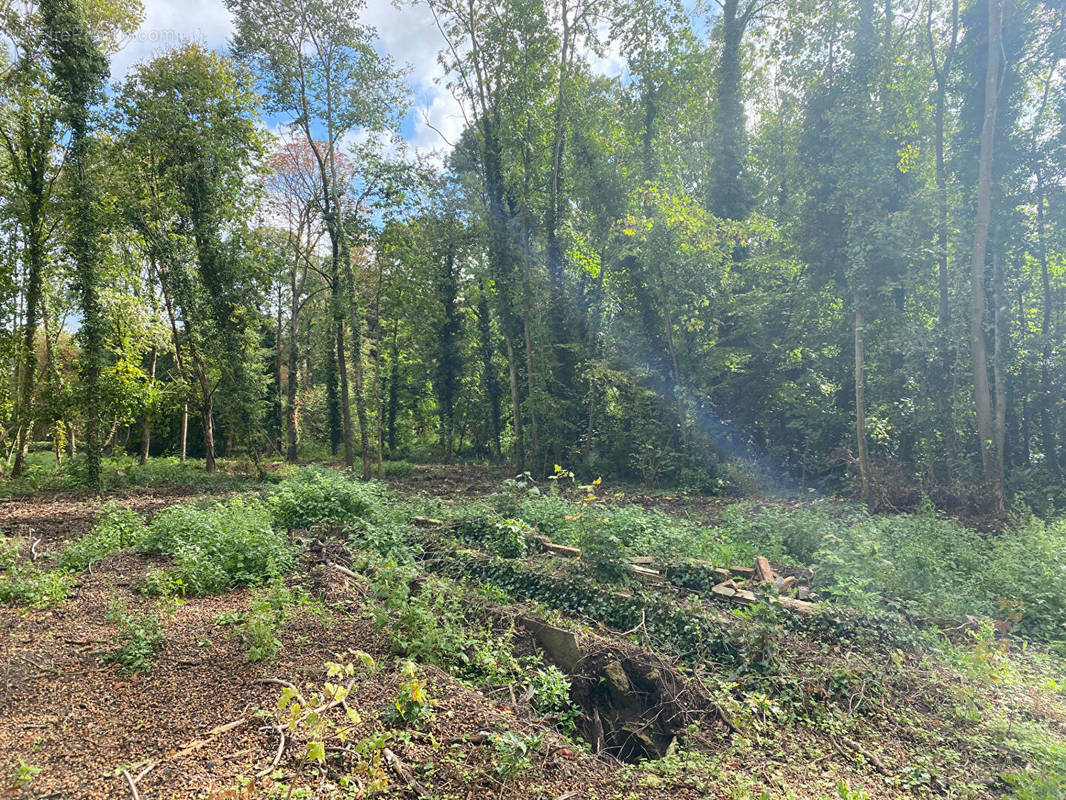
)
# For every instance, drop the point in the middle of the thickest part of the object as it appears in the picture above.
(316, 751)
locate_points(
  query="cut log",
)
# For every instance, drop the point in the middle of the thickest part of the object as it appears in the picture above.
(645, 574)
(560, 644)
(727, 591)
(763, 572)
(426, 522)
(563, 550)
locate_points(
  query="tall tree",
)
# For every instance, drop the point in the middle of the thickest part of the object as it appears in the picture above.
(316, 63)
(990, 440)
(80, 69)
(191, 121)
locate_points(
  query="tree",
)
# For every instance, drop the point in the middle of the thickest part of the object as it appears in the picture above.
(294, 190)
(316, 63)
(80, 69)
(191, 122)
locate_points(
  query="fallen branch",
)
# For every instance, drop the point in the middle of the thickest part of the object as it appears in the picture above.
(877, 763)
(277, 681)
(400, 769)
(133, 786)
(722, 715)
(277, 756)
(345, 572)
(220, 729)
(144, 772)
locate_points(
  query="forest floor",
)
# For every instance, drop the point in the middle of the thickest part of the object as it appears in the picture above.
(839, 715)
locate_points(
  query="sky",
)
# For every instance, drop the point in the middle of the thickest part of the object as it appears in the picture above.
(408, 34)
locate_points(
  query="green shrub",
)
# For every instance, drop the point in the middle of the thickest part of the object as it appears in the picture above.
(116, 528)
(506, 537)
(25, 585)
(551, 697)
(122, 471)
(919, 562)
(259, 628)
(428, 620)
(603, 552)
(315, 496)
(391, 469)
(552, 516)
(140, 635)
(412, 708)
(216, 548)
(1028, 565)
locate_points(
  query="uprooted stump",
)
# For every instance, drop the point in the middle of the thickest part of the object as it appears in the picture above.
(634, 704)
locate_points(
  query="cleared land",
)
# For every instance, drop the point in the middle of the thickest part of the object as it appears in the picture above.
(449, 624)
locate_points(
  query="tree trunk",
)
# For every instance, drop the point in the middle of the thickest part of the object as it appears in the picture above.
(941, 382)
(488, 372)
(1001, 321)
(146, 431)
(394, 388)
(860, 403)
(979, 350)
(184, 431)
(725, 192)
(207, 420)
(345, 398)
(27, 378)
(516, 408)
(1047, 429)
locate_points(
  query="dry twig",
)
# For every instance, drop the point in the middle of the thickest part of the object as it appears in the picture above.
(401, 769)
(133, 786)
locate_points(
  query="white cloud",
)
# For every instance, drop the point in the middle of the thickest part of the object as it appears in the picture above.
(169, 23)
(408, 33)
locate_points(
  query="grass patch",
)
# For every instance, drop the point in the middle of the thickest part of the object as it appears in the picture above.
(125, 472)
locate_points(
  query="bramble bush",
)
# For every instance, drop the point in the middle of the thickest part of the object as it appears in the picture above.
(313, 496)
(1028, 565)
(116, 528)
(219, 547)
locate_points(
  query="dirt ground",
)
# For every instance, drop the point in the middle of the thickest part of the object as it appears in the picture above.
(81, 721)
(200, 723)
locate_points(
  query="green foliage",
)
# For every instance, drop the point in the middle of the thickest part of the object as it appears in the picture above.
(917, 562)
(411, 708)
(1041, 786)
(509, 538)
(24, 774)
(426, 619)
(224, 545)
(514, 753)
(757, 641)
(259, 629)
(116, 528)
(123, 472)
(139, 636)
(551, 697)
(23, 583)
(602, 549)
(676, 627)
(396, 469)
(1027, 565)
(845, 792)
(315, 496)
